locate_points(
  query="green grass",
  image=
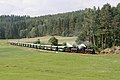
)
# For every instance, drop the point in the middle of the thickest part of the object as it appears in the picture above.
(17, 63)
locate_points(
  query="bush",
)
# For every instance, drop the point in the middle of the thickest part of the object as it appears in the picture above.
(64, 44)
(53, 41)
(37, 42)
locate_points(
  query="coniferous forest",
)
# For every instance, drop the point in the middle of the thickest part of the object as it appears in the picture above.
(101, 26)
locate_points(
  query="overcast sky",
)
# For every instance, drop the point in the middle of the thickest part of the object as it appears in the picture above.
(44, 7)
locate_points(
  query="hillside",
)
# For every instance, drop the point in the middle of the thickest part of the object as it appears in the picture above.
(100, 26)
(46, 38)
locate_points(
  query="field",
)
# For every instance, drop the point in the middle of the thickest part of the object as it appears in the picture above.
(46, 38)
(17, 63)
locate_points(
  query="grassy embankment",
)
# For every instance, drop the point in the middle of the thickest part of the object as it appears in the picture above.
(17, 63)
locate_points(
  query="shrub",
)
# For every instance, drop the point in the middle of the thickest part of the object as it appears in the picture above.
(64, 44)
(37, 42)
(53, 41)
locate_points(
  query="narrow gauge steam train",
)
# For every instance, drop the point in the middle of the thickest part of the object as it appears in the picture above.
(55, 48)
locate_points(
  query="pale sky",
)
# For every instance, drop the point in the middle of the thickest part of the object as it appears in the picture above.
(44, 7)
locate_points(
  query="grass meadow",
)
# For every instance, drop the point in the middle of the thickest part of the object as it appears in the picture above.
(46, 38)
(18, 63)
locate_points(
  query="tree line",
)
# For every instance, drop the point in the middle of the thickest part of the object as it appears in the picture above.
(100, 26)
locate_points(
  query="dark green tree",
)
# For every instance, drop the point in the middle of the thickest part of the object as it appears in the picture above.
(53, 41)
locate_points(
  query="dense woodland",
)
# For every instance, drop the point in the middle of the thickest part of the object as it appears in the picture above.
(100, 26)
